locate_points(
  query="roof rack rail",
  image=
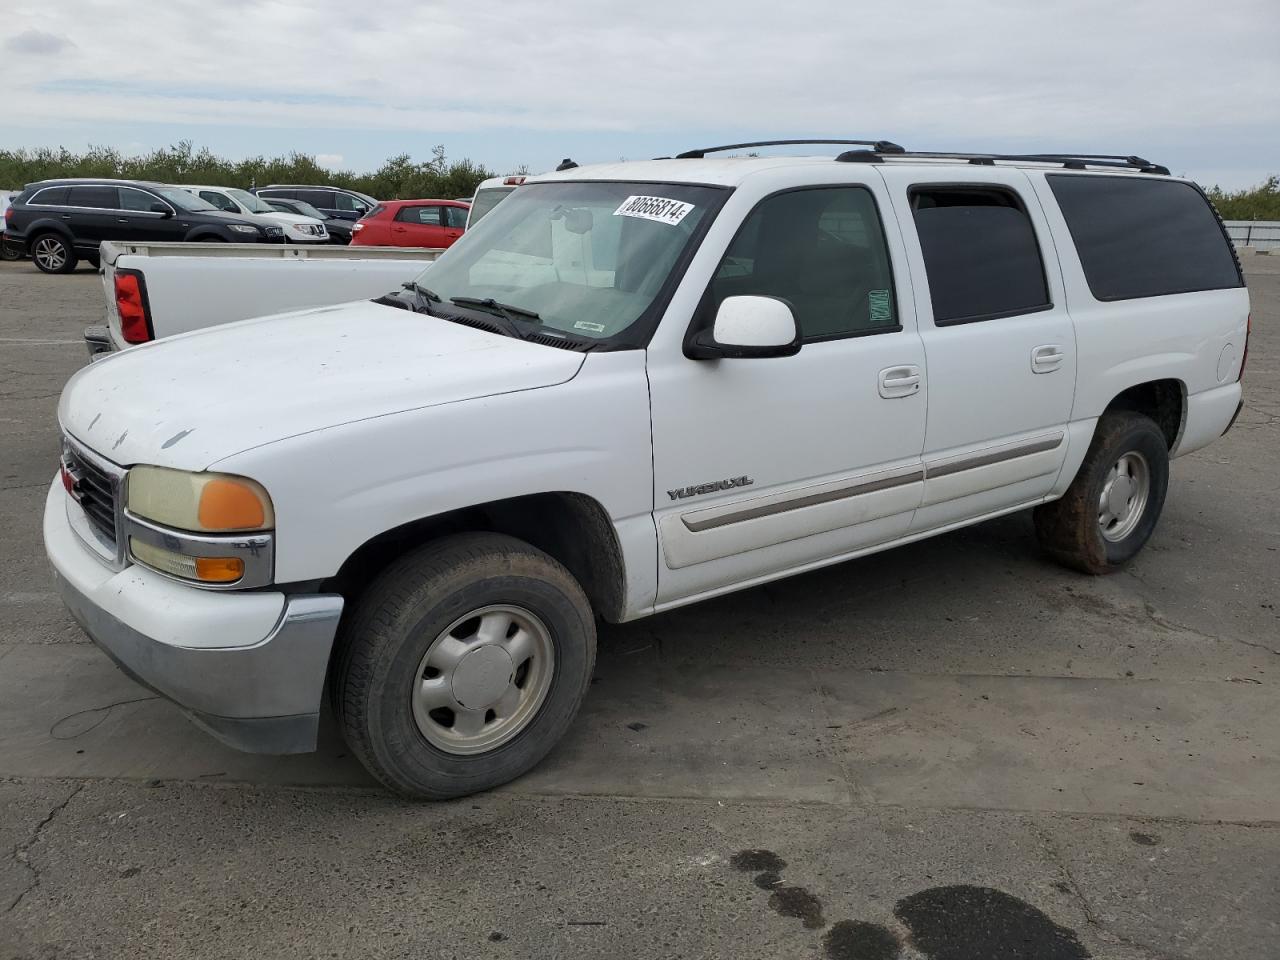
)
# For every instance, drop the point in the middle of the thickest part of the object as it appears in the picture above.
(878, 146)
(1070, 161)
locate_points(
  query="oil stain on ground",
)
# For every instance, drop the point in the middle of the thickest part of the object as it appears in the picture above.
(977, 923)
(859, 940)
(799, 903)
(785, 900)
(749, 861)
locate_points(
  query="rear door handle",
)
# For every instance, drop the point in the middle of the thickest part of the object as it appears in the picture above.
(1047, 358)
(899, 381)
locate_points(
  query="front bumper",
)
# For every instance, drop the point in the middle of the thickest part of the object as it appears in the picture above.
(247, 667)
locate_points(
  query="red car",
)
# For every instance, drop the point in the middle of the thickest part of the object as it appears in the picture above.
(411, 223)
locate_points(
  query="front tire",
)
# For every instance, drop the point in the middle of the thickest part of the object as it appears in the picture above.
(462, 665)
(1113, 504)
(51, 253)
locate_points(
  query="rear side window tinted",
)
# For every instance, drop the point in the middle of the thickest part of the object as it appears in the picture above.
(99, 198)
(1139, 237)
(423, 216)
(455, 217)
(318, 198)
(53, 196)
(980, 254)
(278, 193)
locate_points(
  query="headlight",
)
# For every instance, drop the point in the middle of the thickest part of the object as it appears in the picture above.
(242, 228)
(203, 502)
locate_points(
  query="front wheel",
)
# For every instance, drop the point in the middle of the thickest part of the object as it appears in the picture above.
(1112, 506)
(462, 665)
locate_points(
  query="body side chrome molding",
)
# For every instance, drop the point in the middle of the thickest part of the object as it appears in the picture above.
(857, 488)
(1011, 451)
(854, 489)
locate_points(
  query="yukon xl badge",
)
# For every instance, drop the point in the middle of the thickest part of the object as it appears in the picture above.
(712, 487)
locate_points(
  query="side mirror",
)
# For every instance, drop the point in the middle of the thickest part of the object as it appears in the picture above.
(748, 327)
(161, 209)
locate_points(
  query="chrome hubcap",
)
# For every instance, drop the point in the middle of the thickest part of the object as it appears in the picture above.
(483, 679)
(50, 253)
(1124, 496)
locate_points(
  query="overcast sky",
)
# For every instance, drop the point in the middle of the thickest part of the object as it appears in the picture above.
(1194, 85)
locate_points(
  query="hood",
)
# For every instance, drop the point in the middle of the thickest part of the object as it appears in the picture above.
(188, 401)
(291, 218)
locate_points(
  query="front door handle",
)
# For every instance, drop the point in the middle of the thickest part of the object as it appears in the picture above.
(899, 381)
(1047, 358)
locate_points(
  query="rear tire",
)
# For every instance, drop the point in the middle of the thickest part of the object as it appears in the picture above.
(1113, 504)
(462, 665)
(51, 253)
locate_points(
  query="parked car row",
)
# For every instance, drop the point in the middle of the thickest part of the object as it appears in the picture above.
(58, 223)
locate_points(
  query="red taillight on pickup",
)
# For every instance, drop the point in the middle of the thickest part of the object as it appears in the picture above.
(131, 305)
(513, 181)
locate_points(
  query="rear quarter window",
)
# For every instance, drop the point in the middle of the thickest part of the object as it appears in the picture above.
(1140, 237)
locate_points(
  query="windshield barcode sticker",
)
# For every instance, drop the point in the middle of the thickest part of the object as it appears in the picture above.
(587, 325)
(659, 209)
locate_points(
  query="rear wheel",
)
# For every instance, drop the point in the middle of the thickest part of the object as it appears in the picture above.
(1112, 507)
(51, 253)
(463, 665)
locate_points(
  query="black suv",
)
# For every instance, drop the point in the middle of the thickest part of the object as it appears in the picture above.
(331, 201)
(58, 222)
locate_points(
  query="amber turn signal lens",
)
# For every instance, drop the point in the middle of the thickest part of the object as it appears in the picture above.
(219, 569)
(230, 505)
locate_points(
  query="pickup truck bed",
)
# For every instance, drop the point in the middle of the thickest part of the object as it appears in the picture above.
(190, 286)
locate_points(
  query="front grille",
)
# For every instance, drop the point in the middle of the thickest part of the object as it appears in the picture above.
(94, 491)
(275, 231)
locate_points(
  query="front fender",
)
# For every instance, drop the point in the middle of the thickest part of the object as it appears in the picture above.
(336, 489)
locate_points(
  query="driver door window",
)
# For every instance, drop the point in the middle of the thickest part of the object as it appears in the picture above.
(823, 253)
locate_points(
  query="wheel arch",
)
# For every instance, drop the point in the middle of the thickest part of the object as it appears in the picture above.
(573, 528)
(1164, 401)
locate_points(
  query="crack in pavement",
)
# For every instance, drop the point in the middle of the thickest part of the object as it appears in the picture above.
(1162, 621)
(1071, 886)
(20, 850)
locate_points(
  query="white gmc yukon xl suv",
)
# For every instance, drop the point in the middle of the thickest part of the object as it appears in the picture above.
(631, 387)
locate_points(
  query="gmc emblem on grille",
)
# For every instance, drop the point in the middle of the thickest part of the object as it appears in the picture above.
(73, 480)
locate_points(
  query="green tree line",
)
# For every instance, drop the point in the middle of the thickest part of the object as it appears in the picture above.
(1257, 203)
(399, 178)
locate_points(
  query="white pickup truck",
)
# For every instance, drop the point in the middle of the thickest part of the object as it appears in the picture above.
(631, 387)
(157, 290)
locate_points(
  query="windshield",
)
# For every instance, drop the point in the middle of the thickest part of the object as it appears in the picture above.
(250, 202)
(183, 200)
(304, 208)
(588, 259)
(484, 201)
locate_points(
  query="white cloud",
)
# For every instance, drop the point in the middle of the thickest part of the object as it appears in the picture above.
(1068, 74)
(330, 161)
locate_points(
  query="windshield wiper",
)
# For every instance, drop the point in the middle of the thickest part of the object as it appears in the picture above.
(422, 295)
(505, 310)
